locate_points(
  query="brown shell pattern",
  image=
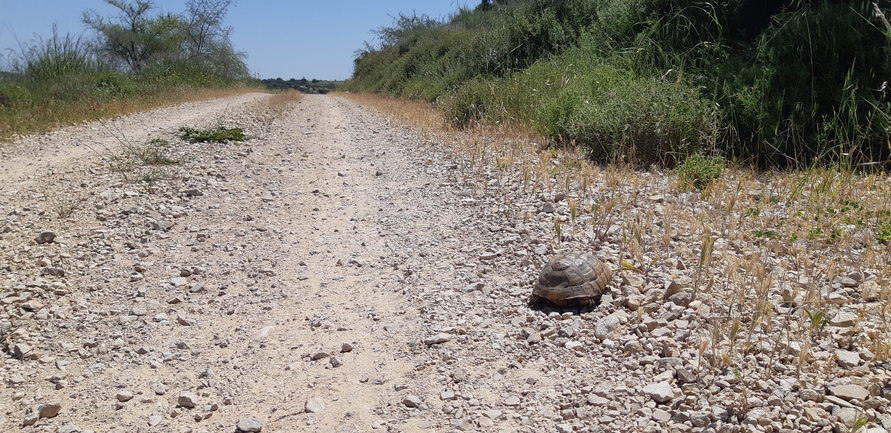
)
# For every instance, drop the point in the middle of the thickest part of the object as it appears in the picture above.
(572, 278)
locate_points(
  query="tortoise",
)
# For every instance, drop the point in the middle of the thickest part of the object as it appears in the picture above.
(573, 278)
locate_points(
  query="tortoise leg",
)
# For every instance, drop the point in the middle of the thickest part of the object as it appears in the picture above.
(536, 301)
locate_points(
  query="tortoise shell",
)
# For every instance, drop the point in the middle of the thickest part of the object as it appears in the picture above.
(571, 278)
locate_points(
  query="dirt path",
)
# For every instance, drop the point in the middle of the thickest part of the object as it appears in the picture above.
(286, 277)
(337, 272)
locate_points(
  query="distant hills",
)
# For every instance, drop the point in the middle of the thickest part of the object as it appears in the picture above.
(302, 85)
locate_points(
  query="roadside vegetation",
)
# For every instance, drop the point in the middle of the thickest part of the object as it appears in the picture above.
(314, 86)
(769, 252)
(789, 83)
(139, 59)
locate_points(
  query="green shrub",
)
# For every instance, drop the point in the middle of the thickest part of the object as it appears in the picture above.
(699, 171)
(114, 84)
(771, 83)
(215, 135)
(616, 116)
(14, 96)
(468, 104)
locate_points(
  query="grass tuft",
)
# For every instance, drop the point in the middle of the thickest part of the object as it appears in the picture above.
(699, 171)
(216, 135)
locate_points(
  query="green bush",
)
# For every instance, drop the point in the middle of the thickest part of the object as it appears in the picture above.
(14, 96)
(617, 116)
(775, 83)
(699, 171)
(468, 104)
(215, 135)
(113, 84)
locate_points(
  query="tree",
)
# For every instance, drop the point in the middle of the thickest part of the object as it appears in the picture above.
(135, 37)
(204, 27)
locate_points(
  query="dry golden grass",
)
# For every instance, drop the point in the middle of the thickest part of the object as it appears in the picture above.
(281, 101)
(418, 114)
(48, 117)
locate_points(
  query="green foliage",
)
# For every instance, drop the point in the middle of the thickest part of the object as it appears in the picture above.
(135, 37)
(468, 104)
(618, 116)
(194, 41)
(56, 57)
(137, 56)
(776, 83)
(215, 135)
(818, 320)
(14, 96)
(699, 171)
(302, 85)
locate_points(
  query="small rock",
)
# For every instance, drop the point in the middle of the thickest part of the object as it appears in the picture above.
(488, 255)
(845, 319)
(346, 347)
(335, 362)
(512, 401)
(847, 359)
(187, 399)
(564, 428)
(249, 425)
(154, 420)
(161, 225)
(463, 424)
(472, 287)
(682, 299)
(49, 410)
(661, 416)
(808, 394)
(23, 351)
(437, 339)
(685, 376)
(610, 326)
(314, 405)
(660, 392)
(597, 400)
(45, 237)
(411, 401)
(124, 396)
(17, 379)
(68, 428)
(50, 271)
(575, 346)
(30, 418)
(849, 392)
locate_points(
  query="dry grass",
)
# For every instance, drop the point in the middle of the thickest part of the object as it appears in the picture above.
(418, 114)
(48, 117)
(765, 251)
(281, 101)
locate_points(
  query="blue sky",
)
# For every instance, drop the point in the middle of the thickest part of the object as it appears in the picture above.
(287, 39)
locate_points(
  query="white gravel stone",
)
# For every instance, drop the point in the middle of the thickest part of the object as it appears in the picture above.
(187, 400)
(314, 405)
(660, 392)
(249, 425)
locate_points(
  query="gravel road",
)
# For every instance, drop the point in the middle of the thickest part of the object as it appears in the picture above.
(340, 272)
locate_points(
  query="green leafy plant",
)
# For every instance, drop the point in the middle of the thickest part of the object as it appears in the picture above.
(817, 320)
(215, 135)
